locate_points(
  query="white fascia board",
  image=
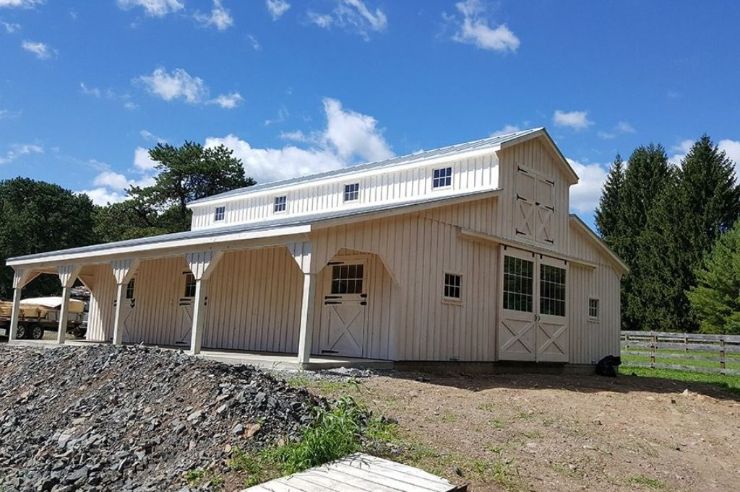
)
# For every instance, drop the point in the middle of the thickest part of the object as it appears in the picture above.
(204, 242)
(349, 176)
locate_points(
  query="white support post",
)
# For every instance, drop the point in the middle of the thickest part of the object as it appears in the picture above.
(305, 335)
(67, 275)
(202, 264)
(123, 270)
(20, 279)
(302, 254)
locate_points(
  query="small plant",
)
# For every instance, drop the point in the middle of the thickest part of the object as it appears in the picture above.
(497, 424)
(194, 476)
(651, 483)
(298, 381)
(199, 476)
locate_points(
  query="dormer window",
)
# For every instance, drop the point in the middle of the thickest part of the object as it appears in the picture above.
(280, 204)
(219, 213)
(351, 192)
(442, 178)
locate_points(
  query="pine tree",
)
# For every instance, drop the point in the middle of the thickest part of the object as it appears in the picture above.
(716, 298)
(608, 216)
(645, 178)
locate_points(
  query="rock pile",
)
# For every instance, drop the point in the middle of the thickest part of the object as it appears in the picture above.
(112, 418)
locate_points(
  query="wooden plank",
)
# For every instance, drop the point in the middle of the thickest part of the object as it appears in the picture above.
(681, 336)
(389, 478)
(668, 355)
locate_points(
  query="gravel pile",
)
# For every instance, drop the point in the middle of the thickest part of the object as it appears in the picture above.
(136, 418)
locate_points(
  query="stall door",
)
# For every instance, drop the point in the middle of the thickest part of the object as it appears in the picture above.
(345, 308)
(532, 323)
(534, 208)
(185, 311)
(128, 323)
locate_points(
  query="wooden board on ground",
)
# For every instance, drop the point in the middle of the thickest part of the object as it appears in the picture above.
(360, 472)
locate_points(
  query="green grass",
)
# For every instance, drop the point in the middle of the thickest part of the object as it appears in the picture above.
(730, 363)
(651, 483)
(726, 382)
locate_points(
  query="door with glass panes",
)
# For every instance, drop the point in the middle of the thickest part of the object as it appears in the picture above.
(345, 308)
(532, 316)
(185, 310)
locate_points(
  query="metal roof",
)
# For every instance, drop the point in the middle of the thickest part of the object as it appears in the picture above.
(283, 222)
(395, 161)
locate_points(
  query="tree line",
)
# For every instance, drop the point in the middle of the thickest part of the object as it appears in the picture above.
(677, 228)
(36, 216)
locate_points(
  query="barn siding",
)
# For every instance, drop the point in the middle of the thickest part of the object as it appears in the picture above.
(101, 309)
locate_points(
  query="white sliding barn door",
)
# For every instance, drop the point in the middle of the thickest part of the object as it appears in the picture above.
(345, 308)
(533, 325)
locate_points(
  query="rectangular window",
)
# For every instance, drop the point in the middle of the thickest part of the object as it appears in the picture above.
(552, 290)
(593, 308)
(280, 204)
(518, 284)
(220, 213)
(351, 192)
(189, 285)
(130, 289)
(442, 177)
(347, 279)
(453, 286)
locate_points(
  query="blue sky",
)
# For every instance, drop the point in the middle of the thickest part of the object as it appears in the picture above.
(301, 86)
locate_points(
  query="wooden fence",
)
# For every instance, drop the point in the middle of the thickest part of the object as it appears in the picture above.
(710, 353)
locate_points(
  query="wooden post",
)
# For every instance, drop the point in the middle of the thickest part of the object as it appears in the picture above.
(20, 279)
(653, 347)
(202, 264)
(67, 275)
(722, 355)
(123, 270)
(302, 253)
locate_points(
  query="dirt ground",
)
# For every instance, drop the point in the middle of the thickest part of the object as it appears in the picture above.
(554, 432)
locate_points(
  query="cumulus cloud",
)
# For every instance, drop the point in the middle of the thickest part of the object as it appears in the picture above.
(577, 120)
(506, 129)
(153, 8)
(473, 27)
(180, 85)
(110, 186)
(142, 161)
(277, 8)
(18, 150)
(26, 4)
(349, 137)
(620, 128)
(584, 196)
(730, 147)
(220, 17)
(10, 27)
(41, 50)
(353, 16)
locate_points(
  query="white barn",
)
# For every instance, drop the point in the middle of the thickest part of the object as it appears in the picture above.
(465, 253)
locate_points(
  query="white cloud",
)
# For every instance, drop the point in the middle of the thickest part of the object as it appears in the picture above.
(41, 50)
(220, 17)
(277, 8)
(6, 114)
(179, 84)
(349, 137)
(227, 101)
(110, 94)
(111, 179)
(153, 8)
(578, 120)
(10, 27)
(584, 196)
(473, 27)
(353, 16)
(620, 128)
(506, 129)
(142, 161)
(19, 150)
(149, 136)
(254, 43)
(90, 91)
(110, 186)
(732, 149)
(27, 4)
(680, 151)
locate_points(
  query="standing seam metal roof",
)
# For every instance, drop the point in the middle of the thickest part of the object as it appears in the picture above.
(395, 161)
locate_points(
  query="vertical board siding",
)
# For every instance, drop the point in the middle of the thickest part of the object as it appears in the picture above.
(254, 302)
(393, 185)
(101, 309)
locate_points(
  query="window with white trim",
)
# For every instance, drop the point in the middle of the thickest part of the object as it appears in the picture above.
(280, 204)
(593, 308)
(552, 290)
(189, 285)
(453, 286)
(347, 279)
(351, 192)
(518, 284)
(130, 289)
(442, 177)
(219, 213)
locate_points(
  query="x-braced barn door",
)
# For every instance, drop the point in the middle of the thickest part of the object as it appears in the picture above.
(532, 316)
(345, 307)
(534, 207)
(185, 311)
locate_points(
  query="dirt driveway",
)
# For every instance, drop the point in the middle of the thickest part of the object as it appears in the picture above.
(547, 432)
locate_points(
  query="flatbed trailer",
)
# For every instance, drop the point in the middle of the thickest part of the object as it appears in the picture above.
(40, 314)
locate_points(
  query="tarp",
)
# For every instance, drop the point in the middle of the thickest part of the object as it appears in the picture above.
(75, 306)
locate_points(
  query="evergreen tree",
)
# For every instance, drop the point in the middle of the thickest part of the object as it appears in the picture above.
(645, 178)
(608, 212)
(716, 298)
